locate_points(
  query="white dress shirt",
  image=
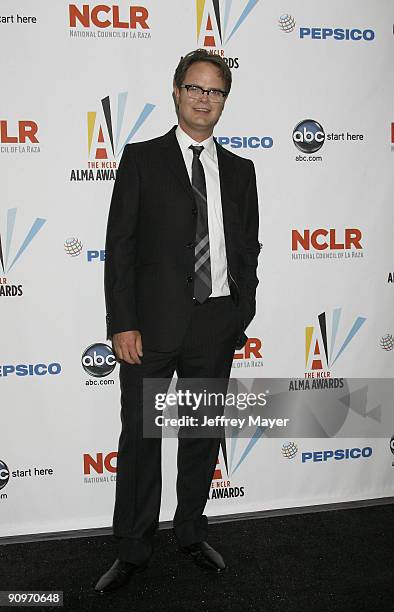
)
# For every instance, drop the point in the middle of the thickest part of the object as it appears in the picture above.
(217, 246)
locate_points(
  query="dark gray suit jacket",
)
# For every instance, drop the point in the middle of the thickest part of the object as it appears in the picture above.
(149, 265)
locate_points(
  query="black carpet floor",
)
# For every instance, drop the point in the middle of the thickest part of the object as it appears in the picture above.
(340, 560)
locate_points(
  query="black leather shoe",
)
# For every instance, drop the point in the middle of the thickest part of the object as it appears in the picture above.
(205, 556)
(118, 575)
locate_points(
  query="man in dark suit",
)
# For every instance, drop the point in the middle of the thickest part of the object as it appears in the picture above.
(180, 282)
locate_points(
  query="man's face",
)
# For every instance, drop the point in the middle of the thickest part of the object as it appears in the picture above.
(200, 116)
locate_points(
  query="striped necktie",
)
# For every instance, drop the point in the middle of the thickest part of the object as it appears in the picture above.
(202, 261)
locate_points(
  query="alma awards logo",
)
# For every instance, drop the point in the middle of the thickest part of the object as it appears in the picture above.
(221, 486)
(7, 260)
(321, 350)
(107, 137)
(217, 22)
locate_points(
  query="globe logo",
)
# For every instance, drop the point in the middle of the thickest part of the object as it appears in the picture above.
(289, 450)
(387, 342)
(287, 23)
(98, 360)
(4, 474)
(73, 247)
(392, 444)
(308, 136)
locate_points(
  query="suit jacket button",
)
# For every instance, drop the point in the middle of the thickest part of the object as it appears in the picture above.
(194, 211)
(189, 278)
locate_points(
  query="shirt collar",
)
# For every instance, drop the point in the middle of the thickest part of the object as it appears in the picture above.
(185, 141)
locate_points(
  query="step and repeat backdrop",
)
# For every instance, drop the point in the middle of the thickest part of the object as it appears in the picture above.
(312, 106)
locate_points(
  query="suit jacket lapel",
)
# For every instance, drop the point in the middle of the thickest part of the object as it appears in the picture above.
(173, 158)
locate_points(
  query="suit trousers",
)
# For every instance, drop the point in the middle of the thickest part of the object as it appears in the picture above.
(207, 350)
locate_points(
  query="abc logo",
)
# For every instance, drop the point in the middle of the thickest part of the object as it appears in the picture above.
(4, 474)
(98, 360)
(308, 136)
(392, 444)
